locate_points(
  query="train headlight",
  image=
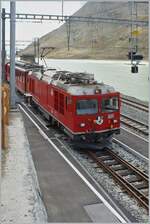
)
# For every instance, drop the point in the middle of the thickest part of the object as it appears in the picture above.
(115, 121)
(82, 125)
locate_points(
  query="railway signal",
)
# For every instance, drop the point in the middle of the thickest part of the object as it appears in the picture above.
(135, 31)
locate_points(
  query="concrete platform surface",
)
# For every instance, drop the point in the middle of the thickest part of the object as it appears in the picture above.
(99, 213)
(20, 202)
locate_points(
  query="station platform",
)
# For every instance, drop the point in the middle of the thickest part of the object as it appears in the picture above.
(64, 195)
(20, 201)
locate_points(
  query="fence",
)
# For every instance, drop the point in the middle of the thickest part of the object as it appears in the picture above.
(5, 114)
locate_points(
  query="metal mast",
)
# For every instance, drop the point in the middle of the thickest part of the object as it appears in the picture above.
(133, 31)
(3, 45)
(12, 52)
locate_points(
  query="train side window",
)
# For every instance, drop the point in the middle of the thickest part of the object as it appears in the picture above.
(68, 100)
(61, 103)
(110, 104)
(56, 100)
(66, 103)
(30, 84)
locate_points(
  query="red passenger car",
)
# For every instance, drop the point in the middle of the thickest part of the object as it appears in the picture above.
(21, 70)
(87, 111)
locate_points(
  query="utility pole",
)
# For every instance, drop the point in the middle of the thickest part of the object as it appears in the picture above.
(134, 30)
(34, 49)
(68, 33)
(3, 45)
(62, 5)
(12, 53)
(38, 50)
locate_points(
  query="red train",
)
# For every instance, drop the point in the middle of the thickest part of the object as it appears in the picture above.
(89, 112)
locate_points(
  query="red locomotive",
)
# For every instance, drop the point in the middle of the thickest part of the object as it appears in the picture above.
(86, 110)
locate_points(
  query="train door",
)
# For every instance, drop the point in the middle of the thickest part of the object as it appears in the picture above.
(50, 94)
(69, 110)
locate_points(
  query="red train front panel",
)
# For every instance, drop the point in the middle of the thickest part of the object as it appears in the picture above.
(99, 113)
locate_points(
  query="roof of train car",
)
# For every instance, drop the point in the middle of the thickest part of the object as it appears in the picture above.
(25, 66)
(73, 83)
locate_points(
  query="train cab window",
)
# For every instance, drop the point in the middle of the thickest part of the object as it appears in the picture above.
(110, 104)
(87, 107)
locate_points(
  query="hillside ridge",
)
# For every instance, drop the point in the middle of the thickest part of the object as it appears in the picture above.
(96, 40)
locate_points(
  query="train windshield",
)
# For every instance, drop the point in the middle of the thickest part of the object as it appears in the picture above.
(110, 104)
(87, 107)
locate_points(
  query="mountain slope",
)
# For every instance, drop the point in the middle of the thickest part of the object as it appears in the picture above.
(96, 40)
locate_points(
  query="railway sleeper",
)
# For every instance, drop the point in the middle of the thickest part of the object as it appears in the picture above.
(117, 167)
(133, 178)
(104, 157)
(139, 127)
(123, 172)
(129, 167)
(145, 191)
(140, 185)
(133, 191)
(143, 129)
(111, 162)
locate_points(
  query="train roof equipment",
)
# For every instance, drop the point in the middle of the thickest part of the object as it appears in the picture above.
(74, 83)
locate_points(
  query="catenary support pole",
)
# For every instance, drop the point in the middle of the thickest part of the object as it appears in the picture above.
(68, 33)
(3, 45)
(35, 49)
(12, 53)
(62, 5)
(38, 50)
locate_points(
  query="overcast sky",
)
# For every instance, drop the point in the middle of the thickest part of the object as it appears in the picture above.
(29, 30)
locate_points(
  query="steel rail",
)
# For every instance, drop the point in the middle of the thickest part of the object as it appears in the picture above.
(132, 103)
(131, 189)
(132, 123)
(128, 165)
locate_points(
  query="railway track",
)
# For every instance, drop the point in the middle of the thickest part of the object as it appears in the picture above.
(134, 124)
(132, 180)
(134, 104)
